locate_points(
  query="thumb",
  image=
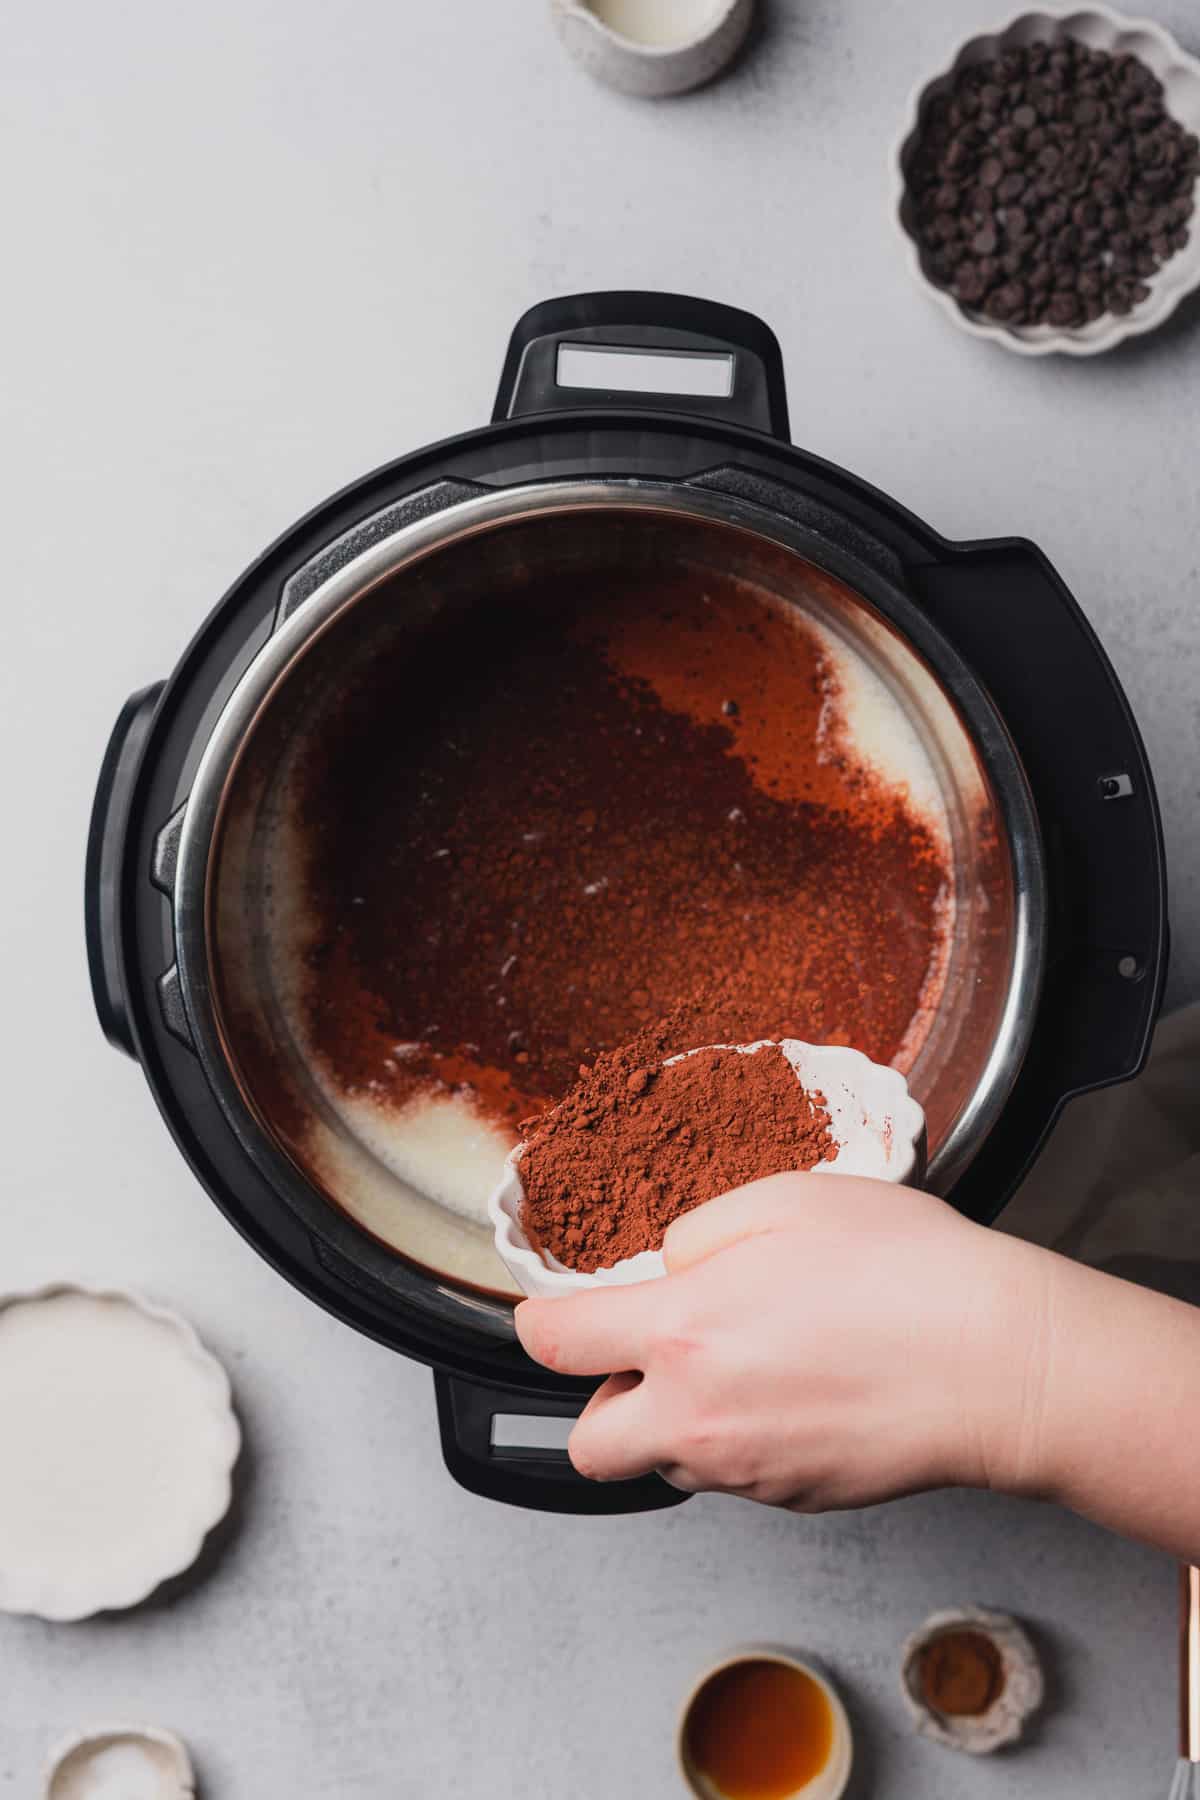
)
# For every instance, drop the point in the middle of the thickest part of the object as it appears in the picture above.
(773, 1204)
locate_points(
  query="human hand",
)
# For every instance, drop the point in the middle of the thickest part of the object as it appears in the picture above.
(819, 1341)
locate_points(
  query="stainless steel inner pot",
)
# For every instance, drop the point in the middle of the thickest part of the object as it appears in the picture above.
(234, 885)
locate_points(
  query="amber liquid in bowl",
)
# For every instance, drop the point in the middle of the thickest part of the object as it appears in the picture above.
(759, 1730)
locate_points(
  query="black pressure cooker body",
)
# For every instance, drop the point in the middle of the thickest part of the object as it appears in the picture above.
(715, 424)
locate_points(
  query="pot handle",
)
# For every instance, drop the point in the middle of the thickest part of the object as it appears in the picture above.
(1094, 793)
(662, 352)
(524, 1472)
(105, 857)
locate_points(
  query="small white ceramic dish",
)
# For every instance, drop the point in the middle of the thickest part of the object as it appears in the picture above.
(120, 1762)
(1100, 29)
(829, 1783)
(1013, 1707)
(118, 1438)
(653, 48)
(878, 1127)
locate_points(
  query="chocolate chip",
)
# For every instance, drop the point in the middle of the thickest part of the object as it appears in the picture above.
(1025, 117)
(969, 284)
(992, 172)
(1064, 309)
(1007, 302)
(984, 241)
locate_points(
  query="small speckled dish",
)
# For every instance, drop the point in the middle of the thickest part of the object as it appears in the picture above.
(653, 48)
(878, 1127)
(1100, 29)
(120, 1762)
(118, 1438)
(830, 1781)
(1010, 1712)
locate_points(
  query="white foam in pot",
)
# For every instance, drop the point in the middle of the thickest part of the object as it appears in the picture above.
(877, 1126)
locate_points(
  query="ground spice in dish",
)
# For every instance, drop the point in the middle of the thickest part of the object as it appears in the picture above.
(961, 1673)
(635, 1144)
(531, 833)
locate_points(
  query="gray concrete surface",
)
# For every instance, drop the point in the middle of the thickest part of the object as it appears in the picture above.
(250, 251)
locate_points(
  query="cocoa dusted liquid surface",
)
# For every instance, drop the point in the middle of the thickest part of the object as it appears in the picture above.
(534, 830)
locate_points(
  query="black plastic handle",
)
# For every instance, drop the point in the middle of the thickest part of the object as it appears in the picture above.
(105, 856)
(534, 1477)
(671, 325)
(1094, 792)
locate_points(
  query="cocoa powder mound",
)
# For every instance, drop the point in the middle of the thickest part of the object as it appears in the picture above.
(635, 1143)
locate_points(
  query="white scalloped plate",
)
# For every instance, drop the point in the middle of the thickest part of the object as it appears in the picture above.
(118, 1441)
(878, 1127)
(1101, 29)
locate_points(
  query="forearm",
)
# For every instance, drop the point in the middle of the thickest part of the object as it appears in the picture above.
(1107, 1406)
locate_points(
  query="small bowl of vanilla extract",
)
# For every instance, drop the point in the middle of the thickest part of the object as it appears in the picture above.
(762, 1724)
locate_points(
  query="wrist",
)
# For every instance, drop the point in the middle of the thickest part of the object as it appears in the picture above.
(1007, 1368)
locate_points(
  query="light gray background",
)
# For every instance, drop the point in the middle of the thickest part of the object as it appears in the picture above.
(251, 250)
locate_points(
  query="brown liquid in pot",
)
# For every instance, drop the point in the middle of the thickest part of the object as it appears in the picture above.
(525, 843)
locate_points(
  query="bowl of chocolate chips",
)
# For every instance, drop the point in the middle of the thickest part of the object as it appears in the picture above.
(1046, 182)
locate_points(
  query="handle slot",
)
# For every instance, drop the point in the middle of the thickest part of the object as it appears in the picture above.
(612, 369)
(517, 1434)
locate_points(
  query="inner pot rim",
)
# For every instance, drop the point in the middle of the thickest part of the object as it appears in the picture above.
(234, 730)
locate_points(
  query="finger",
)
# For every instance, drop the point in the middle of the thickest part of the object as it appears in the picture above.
(773, 1204)
(618, 1436)
(612, 1389)
(594, 1333)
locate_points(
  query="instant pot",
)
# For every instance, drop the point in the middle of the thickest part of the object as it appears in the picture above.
(653, 427)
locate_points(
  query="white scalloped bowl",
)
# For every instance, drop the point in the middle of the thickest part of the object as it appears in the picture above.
(118, 1438)
(1100, 29)
(878, 1127)
(1020, 1696)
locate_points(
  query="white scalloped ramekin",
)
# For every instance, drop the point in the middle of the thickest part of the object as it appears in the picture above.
(114, 1564)
(1100, 29)
(1020, 1696)
(877, 1125)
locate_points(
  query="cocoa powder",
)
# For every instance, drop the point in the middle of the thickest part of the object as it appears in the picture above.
(636, 1143)
(527, 839)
